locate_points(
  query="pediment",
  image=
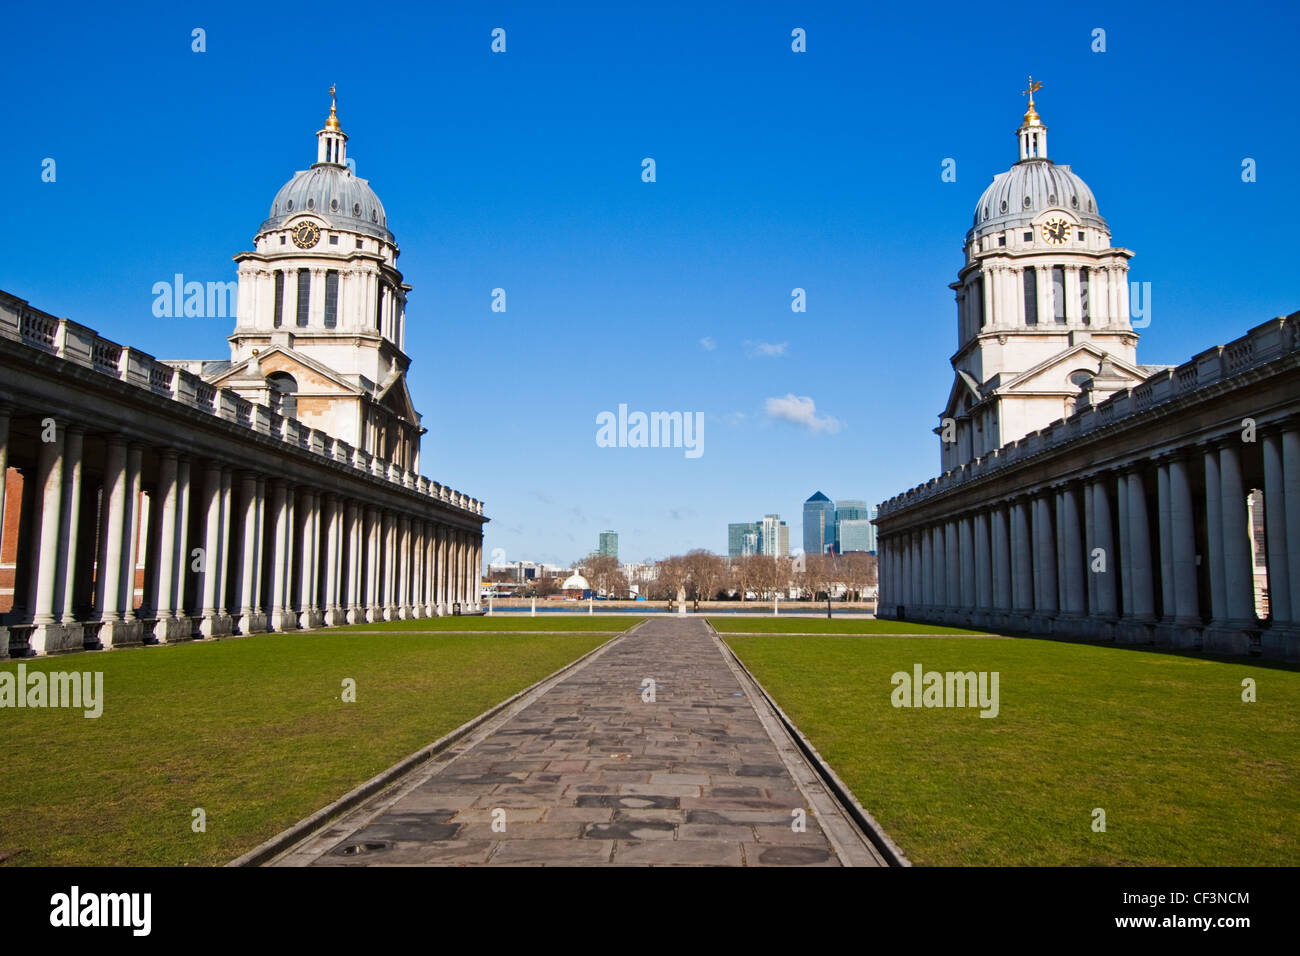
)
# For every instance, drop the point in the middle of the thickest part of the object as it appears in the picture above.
(311, 376)
(1053, 374)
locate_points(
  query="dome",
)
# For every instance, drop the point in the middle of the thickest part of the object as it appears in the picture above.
(1028, 188)
(331, 192)
(575, 583)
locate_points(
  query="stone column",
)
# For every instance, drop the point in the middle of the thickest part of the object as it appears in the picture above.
(966, 559)
(307, 615)
(259, 599)
(108, 578)
(927, 569)
(1143, 608)
(1001, 545)
(1074, 595)
(1104, 581)
(1122, 569)
(165, 628)
(47, 547)
(1214, 534)
(952, 562)
(1057, 505)
(250, 558)
(402, 537)
(1045, 556)
(332, 521)
(983, 567)
(281, 616)
(374, 604)
(1238, 572)
(390, 566)
(183, 545)
(1275, 536)
(1022, 568)
(356, 563)
(209, 626)
(73, 568)
(134, 457)
(1182, 529)
(1089, 543)
(223, 562)
(431, 569)
(1164, 509)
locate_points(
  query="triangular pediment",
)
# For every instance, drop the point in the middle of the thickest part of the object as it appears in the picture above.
(1052, 376)
(394, 395)
(279, 358)
(963, 386)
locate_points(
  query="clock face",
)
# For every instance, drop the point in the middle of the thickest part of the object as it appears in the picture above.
(306, 235)
(1056, 231)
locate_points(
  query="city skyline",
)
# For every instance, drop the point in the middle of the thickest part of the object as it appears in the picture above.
(468, 195)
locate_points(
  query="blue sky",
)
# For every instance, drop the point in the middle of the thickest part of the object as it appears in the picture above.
(775, 170)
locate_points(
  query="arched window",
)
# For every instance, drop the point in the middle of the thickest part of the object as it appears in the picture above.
(1081, 378)
(284, 394)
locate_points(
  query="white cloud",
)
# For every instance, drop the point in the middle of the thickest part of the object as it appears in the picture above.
(765, 349)
(801, 410)
(708, 343)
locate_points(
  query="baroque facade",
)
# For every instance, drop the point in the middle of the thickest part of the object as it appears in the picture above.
(149, 501)
(1084, 495)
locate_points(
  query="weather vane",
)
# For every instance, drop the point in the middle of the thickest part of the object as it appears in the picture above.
(1033, 88)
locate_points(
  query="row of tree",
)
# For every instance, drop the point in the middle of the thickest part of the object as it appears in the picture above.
(705, 576)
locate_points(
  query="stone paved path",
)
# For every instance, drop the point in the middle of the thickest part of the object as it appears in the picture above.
(588, 774)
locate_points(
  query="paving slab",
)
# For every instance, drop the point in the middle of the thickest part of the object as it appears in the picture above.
(589, 771)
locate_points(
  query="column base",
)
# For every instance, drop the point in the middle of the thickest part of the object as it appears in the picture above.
(335, 616)
(252, 622)
(1278, 643)
(120, 634)
(216, 625)
(417, 612)
(356, 614)
(1042, 623)
(403, 612)
(1230, 637)
(311, 619)
(389, 613)
(1184, 636)
(431, 610)
(374, 614)
(283, 620)
(51, 639)
(1135, 632)
(169, 630)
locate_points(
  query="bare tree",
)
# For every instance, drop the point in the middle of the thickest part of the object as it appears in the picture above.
(604, 574)
(706, 571)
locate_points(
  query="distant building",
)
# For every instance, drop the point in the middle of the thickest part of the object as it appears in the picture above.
(608, 544)
(848, 510)
(818, 524)
(774, 538)
(742, 539)
(856, 534)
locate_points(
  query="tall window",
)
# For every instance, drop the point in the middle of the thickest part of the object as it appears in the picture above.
(379, 307)
(1085, 307)
(1031, 296)
(279, 298)
(977, 290)
(331, 299)
(304, 296)
(1058, 294)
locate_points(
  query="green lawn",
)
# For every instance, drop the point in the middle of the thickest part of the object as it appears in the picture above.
(252, 730)
(1186, 772)
(604, 623)
(729, 624)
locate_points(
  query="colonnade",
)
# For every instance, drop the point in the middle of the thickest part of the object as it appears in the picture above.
(1153, 549)
(116, 540)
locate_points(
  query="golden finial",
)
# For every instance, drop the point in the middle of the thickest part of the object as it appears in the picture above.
(1031, 117)
(333, 121)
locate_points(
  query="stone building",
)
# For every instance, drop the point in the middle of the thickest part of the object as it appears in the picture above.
(1083, 494)
(150, 501)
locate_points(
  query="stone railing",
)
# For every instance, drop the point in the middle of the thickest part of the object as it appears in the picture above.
(1263, 344)
(68, 340)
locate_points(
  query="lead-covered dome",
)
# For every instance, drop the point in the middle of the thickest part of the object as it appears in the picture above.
(333, 193)
(1029, 187)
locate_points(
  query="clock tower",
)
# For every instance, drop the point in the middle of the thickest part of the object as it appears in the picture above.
(322, 310)
(1042, 306)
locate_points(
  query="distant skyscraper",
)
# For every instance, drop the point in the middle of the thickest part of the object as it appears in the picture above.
(774, 539)
(608, 544)
(871, 515)
(818, 524)
(742, 539)
(848, 510)
(855, 534)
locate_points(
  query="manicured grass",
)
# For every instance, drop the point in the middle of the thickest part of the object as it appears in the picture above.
(252, 730)
(823, 625)
(606, 623)
(1186, 772)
